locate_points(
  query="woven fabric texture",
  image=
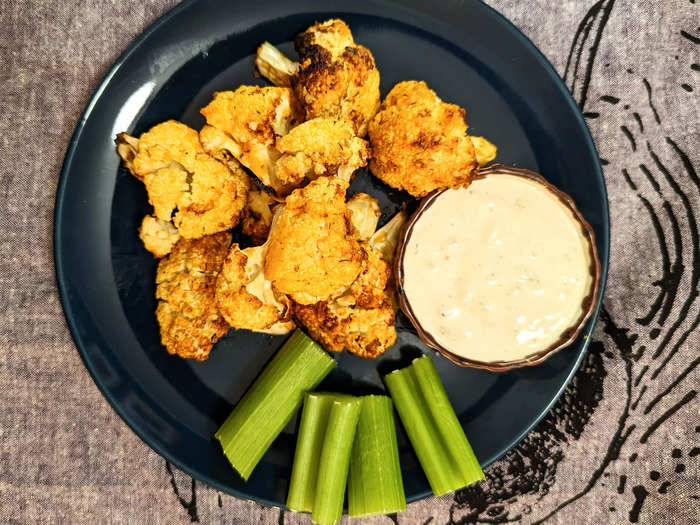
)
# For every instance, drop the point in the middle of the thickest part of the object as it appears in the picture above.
(620, 446)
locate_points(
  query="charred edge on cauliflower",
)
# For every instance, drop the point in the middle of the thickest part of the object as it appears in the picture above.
(362, 319)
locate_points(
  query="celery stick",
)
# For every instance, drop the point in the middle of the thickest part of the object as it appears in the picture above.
(335, 461)
(432, 426)
(375, 485)
(451, 429)
(312, 431)
(422, 431)
(271, 401)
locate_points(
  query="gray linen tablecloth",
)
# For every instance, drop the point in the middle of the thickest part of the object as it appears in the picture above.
(622, 443)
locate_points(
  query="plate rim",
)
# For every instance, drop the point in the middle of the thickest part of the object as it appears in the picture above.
(72, 324)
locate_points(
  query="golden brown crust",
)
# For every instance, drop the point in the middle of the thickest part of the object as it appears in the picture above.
(200, 195)
(362, 320)
(368, 289)
(167, 143)
(313, 254)
(251, 113)
(420, 143)
(215, 199)
(165, 188)
(337, 78)
(321, 146)
(364, 332)
(189, 321)
(246, 123)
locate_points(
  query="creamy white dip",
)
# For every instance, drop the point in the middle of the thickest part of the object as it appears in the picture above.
(497, 271)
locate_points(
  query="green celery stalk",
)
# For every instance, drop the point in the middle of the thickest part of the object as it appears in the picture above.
(375, 485)
(271, 401)
(451, 429)
(312, 432)
(334, 462)
(432, 426)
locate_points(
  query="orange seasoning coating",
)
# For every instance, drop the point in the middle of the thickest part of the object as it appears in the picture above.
(420, 143)
(313, 253)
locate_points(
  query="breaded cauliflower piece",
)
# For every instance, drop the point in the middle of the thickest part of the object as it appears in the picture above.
(158, 236)
(420, 143)
(313, 253)
(362, 319)
(246, 123)
(364, 215)
(335, 77)
(258, 213)
(321, 146)
(200, 195)
(246, 299)
(189, 321)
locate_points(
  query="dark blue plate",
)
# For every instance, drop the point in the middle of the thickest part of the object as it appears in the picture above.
(468, 53)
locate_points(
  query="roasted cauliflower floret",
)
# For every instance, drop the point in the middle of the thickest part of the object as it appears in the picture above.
(420, 143)
(362, 319)
(168, 143)
(257, 217)
(246, 123)
(200, 195)
(364, 332)
(368, 290)
(158, 236)
(364, 215)
(215, 199)
(321, 146)
(335, 77)
(189, 321)
(246, 299)
(313, 253)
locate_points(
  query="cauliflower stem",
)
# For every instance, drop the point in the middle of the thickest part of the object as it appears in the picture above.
(274, 65)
